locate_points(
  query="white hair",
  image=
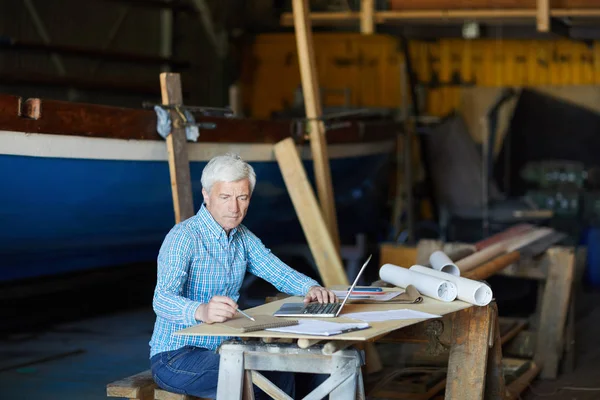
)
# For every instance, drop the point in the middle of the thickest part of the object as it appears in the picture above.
(227, 168)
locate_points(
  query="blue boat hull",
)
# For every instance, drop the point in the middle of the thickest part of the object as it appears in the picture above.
(61, 215)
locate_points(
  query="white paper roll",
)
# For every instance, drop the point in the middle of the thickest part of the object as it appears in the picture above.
(428, 285)
(441, 262)
(469, 290)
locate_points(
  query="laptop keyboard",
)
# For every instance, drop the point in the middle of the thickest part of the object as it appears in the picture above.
(321, 308)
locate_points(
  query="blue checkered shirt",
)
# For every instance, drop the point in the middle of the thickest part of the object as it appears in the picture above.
(197, 261)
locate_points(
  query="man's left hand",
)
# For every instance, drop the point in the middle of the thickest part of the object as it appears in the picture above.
(320, 294)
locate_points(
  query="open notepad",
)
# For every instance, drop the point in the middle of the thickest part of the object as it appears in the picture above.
(320, 328)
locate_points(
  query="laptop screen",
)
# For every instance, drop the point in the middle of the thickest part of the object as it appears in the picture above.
(354, 283)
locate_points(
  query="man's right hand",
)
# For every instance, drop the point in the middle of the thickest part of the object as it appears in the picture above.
(218, 309)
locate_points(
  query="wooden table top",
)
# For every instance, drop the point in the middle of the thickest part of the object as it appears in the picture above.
(377, 329)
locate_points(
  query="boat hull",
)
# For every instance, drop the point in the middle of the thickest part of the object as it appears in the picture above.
(73, 203)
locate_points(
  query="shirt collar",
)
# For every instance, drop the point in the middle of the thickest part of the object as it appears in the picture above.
(213, 226)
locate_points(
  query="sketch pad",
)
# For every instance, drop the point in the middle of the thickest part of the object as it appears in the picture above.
(262, 322)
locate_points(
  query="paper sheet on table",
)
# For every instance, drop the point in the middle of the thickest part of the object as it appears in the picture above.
(377, 296)
(378, 316)
(320, 328)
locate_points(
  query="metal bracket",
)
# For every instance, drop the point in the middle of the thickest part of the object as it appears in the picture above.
(30, 108)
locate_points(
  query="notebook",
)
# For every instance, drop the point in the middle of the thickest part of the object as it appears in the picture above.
(243, 324)
(328, 310)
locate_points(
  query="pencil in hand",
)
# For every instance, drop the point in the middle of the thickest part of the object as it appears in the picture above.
(245, 315)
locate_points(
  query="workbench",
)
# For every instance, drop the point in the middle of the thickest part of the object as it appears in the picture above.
(471, 332)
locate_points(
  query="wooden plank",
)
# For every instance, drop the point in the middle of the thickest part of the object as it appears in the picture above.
(139, 386)
(268, 387)
(314, 111)
(179, 166)
(482, 4)
(521, 383)
(382, 17)
(553, 314)
(494, 384)
(376, 330)
(543, 15)
(319, 238)
(248, 390)
(492, 267)
(160, 394)
(467, 364)
(367, 23)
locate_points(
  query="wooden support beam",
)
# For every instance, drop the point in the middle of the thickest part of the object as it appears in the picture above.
(543, 15)
(494, 380)
(367, 15)
(553, 315)
(492, 267)
(470, 336)
(319, 238)
(382, 17)
(179, 166)
(139, 386)
(314, 111)
(521, 383)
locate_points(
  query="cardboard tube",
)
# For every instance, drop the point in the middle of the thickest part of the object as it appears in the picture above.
(471, 291)
(428, 285)
(441, 262)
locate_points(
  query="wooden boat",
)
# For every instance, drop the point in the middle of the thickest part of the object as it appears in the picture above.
(87, 186)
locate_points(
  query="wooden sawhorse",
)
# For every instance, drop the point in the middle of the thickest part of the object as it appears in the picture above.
(240, 363)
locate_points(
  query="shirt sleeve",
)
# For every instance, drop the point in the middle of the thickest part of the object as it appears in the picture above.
(173, 264)
(266, 265)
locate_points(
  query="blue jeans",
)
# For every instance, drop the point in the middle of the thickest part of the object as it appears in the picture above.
(195, 371)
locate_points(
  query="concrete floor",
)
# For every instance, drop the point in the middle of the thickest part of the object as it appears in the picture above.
(95, 351)
(77, 359)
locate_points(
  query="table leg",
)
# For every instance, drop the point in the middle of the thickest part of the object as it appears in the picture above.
(248, 386)
(494, 383)
(467, 364)
(553, 315)
(231, 374)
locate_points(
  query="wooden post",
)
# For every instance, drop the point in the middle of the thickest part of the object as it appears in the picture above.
(319, 239)
(179, 166)
(494, 385)
(467, 365)
(543, 15)
(367, 14)
(314, 111)
(553, 314)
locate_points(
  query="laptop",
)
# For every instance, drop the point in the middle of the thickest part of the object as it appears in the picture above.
(330, 310)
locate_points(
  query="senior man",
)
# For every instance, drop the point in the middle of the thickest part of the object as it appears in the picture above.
(201, 266)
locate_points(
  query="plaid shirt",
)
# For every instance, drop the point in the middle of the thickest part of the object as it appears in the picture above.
(197, 261)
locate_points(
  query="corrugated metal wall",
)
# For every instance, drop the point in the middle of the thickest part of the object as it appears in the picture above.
(448, 64)
(370, 66)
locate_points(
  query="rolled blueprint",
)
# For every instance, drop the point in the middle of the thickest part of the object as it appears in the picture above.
(441, 262)
(469, 290)
(428, 285)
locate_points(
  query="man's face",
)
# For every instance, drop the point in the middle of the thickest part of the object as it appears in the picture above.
(228, 202)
